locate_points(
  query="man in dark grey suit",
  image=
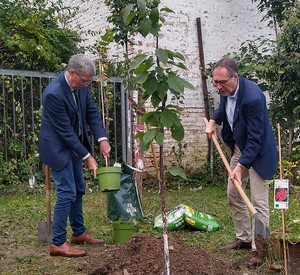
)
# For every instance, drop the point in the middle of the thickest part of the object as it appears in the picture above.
(64, 145)
(248, 133)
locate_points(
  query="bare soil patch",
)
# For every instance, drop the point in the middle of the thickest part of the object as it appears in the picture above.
(144, 255)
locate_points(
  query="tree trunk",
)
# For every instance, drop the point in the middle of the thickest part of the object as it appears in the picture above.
(163, 210)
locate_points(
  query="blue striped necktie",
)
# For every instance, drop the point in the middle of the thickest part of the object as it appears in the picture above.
(76, 92)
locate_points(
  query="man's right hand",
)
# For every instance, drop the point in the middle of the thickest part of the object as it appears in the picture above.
(211, 129)
(92, 165)
(105, 148)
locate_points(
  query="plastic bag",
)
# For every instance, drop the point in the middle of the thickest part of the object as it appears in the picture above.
(124, 203)
(199, 220)
(175, 219)
(183, 215)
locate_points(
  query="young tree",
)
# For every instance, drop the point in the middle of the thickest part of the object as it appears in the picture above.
(154, 79)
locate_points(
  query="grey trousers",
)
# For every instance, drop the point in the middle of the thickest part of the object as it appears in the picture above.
(259, 198)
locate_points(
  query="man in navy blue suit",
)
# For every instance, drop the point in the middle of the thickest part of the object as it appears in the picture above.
(64, 145)
(248, 133)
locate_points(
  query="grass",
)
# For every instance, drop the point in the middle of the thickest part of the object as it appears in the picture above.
(20, 252)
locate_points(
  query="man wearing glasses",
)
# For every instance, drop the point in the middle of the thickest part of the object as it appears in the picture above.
(64, 145)
(248, 133)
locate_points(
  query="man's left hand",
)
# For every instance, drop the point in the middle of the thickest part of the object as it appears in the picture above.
(92, 165)
(237, 174)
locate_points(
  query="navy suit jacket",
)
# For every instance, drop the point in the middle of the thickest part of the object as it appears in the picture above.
(58, 137)
(252, 130)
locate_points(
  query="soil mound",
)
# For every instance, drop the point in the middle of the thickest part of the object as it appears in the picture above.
(144, 255)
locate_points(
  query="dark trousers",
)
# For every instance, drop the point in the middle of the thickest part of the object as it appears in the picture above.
(70, 188)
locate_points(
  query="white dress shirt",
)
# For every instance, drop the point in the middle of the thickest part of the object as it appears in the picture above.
(230, 106)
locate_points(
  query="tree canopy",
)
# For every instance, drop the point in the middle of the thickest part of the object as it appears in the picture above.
(283, 72)
(275, 9)
(34, 35)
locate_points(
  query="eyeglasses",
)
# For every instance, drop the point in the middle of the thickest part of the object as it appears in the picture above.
(221, 82)
(83, 81)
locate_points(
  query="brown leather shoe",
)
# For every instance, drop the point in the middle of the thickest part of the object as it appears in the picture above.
(254, 261)
(237, 244)
(86, 238)
(66, 250)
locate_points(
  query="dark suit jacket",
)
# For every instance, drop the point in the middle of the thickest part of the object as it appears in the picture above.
(59, 131)
(251, 129)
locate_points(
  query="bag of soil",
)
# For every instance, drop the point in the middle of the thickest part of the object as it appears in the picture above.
(175, 219)
(199, 220)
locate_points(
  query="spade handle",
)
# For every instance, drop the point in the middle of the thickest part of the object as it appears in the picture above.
(228, 168)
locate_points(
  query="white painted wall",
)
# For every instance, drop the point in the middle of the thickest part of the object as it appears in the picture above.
(225, 25)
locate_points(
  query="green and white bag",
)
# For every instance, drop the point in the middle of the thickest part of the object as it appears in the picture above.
(183, 214)
(175, 219)
(199, 220)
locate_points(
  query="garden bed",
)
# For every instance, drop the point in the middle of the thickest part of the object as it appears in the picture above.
(144, 255)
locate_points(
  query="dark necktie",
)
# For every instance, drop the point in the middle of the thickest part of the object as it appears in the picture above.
(76, 92)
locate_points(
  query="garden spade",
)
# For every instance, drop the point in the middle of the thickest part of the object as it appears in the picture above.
(261, 231)
(44, 229)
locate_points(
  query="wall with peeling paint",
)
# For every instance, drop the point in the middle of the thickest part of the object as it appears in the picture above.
(225, 25)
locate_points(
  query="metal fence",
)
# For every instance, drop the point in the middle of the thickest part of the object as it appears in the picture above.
(21, 105)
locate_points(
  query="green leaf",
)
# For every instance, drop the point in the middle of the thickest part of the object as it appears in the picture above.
(177, 171)
(159, 138)
(145, 27)
(141, 5)
(130, 17)
(140, 78)
(180, 56)
(147, 117)
(162, 89)
(159, 71)
(144, 98)
(144, 146)
(149, 135)
(139, 135)
(154, 16)
(166, 118)
(177, 132)
(162, 56)
(151, 85)
(137, 61)
(177, 121)
(155, 100)
(187, 84)
(172, 54)
(172, 106)
(127, 11)
(155, 30)
(175, 83)
(144, 66)
(166, 9)
(162, 19)
(179, 64)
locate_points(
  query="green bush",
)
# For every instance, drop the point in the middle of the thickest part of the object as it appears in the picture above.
(34, 35)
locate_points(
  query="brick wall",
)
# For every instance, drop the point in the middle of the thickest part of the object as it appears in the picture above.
(225, 25)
